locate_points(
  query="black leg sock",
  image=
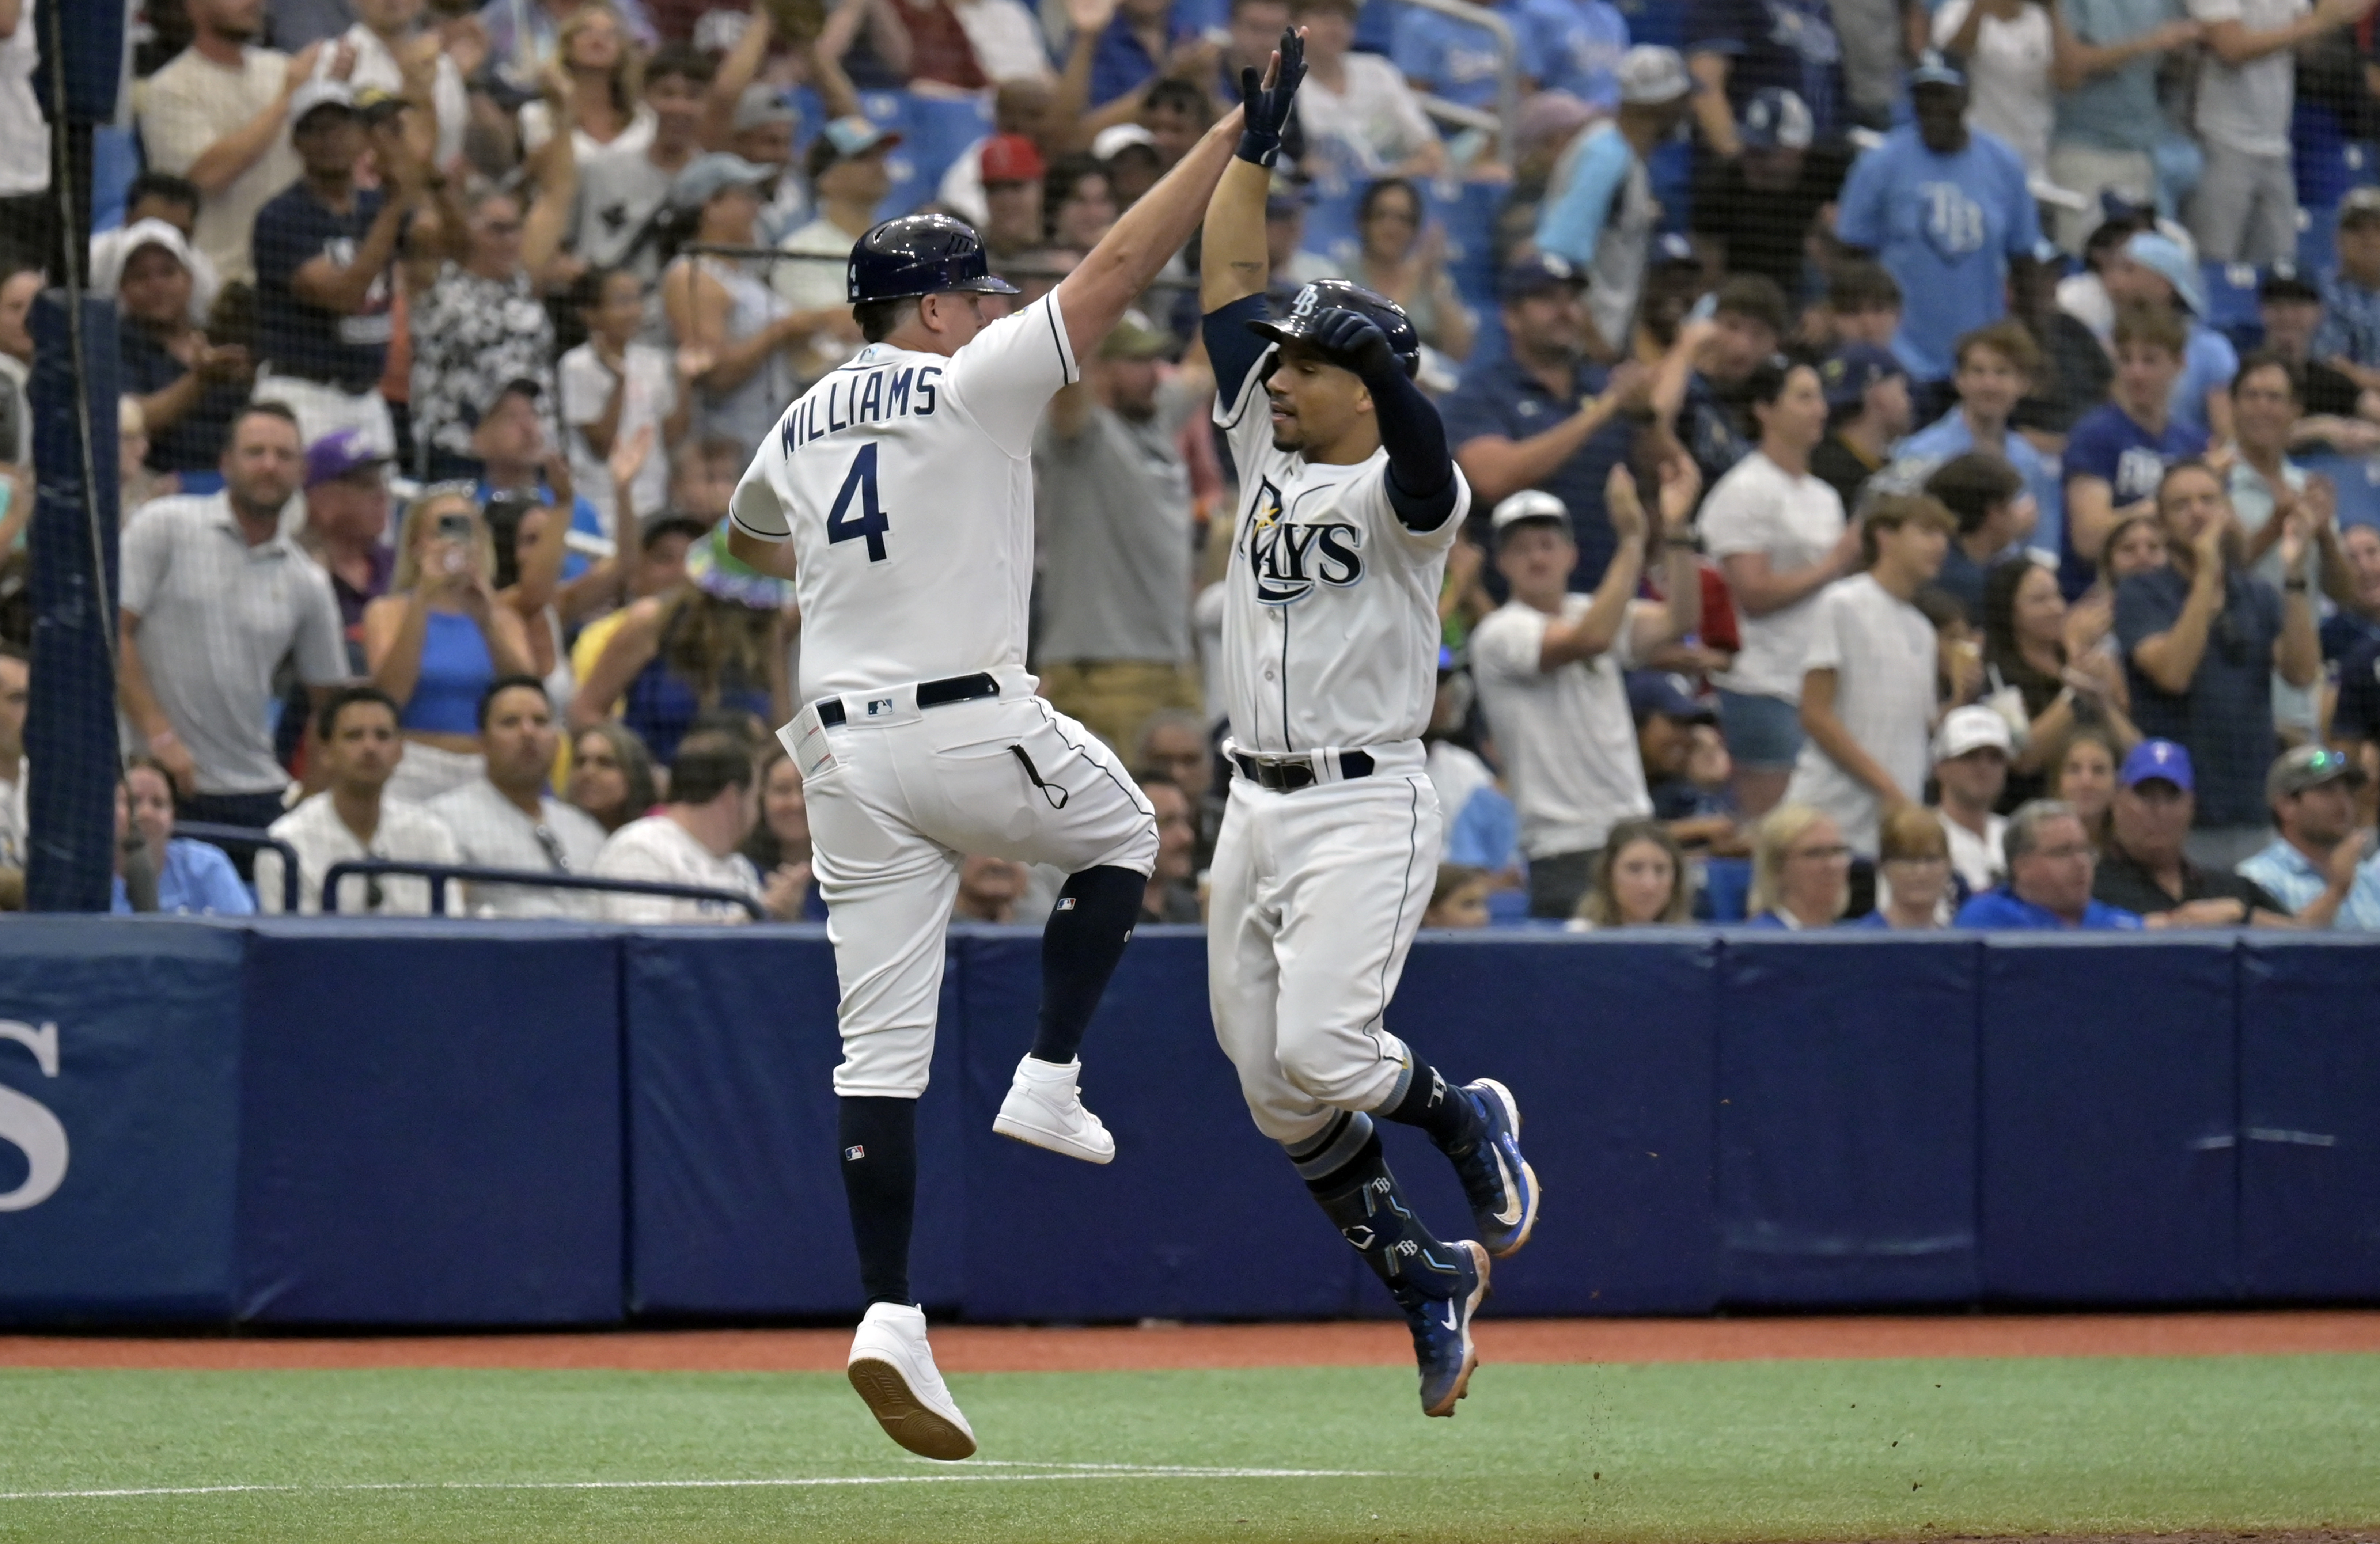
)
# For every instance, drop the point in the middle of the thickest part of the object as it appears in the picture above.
(1080, 947)
(1439, 1108)
(1343, 1165)
(880, 1180)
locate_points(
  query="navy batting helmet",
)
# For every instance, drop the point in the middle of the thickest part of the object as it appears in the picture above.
(1324, 295)
(920, 254)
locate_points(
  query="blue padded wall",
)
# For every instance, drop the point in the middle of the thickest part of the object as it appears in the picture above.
(430, 1125)
(2310, 1119)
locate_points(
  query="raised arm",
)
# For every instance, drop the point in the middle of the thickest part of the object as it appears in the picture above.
(1232, 261)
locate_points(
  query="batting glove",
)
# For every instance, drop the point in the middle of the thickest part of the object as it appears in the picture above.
(1357, 340)
(1266, 108)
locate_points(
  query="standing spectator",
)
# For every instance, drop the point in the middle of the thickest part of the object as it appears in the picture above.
(848, 178)
(1356, 109)
(2157, 271)
(2086, 780)
(214, 598)
(326, 252)
(15, 767)
(1868, 683)
(1971, 763)
(2316, 866)
(1599, 212)
(604, 75)
(1800, 871)
(397, 55)
(1135, 45)
(1779, 536)
(2245, 209)
(1172, 895)
(2118, 453)
(523, 35)
(1551, 666)
(2007, 47)
(187, 387)
(1947, 212)
(611, 776)
(1867, 414)
(722, 309)
(1640, 880)
(1985, 494)
(2144, 867)
(2109, 121)
(192, 877)
(1538, 414)
(623, 193)
(2050, 866)
(1754, 213)
(1915, 867)
(505, 819)
(28, 218)
(2267, 489)
(2202, 639)
(480, 322)
(613, 389)
(1996, 367)
(2037, 645)
(1112, 505)
(346, 527)
(691, 840)
(353, 819)
(1737, 48)
(1716, 419)
(219, 116)
(2348, 338)
(1401, 261)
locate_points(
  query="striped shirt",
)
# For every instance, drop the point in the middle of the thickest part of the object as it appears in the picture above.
(215, 619)
(494, 832)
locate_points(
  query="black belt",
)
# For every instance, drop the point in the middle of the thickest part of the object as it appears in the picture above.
(930, 694)
(1287, 775)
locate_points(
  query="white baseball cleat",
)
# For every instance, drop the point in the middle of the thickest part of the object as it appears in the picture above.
(892, 1368)
(1045, 1107)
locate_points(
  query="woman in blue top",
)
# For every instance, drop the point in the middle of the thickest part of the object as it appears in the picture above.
(1800, 871)
(437, 639)
(191, 876)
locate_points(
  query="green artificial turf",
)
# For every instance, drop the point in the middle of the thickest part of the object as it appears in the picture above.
(1719, 1451)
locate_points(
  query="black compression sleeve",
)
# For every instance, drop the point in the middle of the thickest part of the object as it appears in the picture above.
(1421, 469)
(1232, 349)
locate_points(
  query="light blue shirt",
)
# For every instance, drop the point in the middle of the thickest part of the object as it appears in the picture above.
(1576, 46)
(198, 879)
(2119, 110)
(2350, 322)
(2207, 365)
(1487, 832)
(1572, 223)
(1915, 458)
(2295, 882)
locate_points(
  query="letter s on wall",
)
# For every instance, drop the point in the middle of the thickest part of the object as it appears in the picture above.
(28, 1125)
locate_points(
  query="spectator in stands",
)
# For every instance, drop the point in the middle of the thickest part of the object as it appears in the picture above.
(1550, 667)
(1458, 898)
(1356, 109)
(2156, 270)
(2050, 866)
(1995, 368)
(2084, 294)
(2144, 867)
(2202, 639)
(724, 311)
(657, 568)
(480, 323)
(346, 521)
(1737, 48)
(2007, 48)
(2038, 646)
(1254, 32)
(780, 844)
(2109, 121)
(1401, 261)
(2086, 780)
(1863, 303)
(1971, 764)
(1947, 212)
(2118, 453)
(396, 54)
(17, 287)
(1144, 38)
(603, 75)
(28, 219)
(354, 819)
(2317, 867)
(615, 388)
(1868, 690)
(2290, 307)
(1291, 265)
(1080, 204)
(1127, 152)
(1012, 174)
(1172, 744)
(2268, 490)
(187, 387)
(523, 36)
(1172, 892)
(611, 774)
(2076, 370)
(848, 179)
(1915, 869)
(1640, 880)
(716, 643)
(1716, 420)
(505, 819)
(2348, 338)
(206, 623)
(219, 116)
(1668, 721)
(761, 131)
(2245, 208)
(1779, 536)
(1987, 498)
(1867, 414)
(1112, 499)
(1537, 414)
(1599, 213)
(172, 200)
(691, 840)
(437, 642)
(623, 193)
(16, 768)
(1755, 211)
(186, 877)
(1801, 869)
(989, 890)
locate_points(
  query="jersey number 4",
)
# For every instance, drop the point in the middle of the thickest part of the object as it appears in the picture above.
(860, 487)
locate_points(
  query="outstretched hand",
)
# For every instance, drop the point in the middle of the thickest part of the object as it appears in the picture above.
(1355, 339)
(1266, 102)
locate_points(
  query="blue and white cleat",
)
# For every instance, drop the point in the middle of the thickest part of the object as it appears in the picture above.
(1498, 1181)
(1441, 1329)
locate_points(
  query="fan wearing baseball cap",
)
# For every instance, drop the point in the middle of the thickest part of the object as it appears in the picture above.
(1868, 412)
(1756, 208)
(1599, 212)
(2319, 866)
(2146, 868)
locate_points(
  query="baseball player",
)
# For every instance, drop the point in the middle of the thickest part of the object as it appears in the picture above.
(1330, 836)
(897, 495)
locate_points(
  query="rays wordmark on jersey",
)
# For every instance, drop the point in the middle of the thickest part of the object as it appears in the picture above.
(1288, 559)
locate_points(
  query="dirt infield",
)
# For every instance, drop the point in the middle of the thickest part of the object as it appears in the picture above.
(969, 1348)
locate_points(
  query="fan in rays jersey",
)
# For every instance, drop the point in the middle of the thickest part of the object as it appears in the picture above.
(1330, 838)
(897, 495)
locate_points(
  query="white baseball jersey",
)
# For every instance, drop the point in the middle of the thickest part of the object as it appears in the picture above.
(1331, 623)
(905, 481)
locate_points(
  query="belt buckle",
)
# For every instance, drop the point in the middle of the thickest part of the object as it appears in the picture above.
(1293, 775)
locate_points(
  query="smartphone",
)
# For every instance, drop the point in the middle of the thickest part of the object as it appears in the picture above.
(454, 527)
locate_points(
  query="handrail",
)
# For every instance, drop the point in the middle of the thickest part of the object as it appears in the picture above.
(251, 839)
(1508, 62)
(439, 873)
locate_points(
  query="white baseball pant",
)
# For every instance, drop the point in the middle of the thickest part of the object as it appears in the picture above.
(1316, 894)
(897, 797)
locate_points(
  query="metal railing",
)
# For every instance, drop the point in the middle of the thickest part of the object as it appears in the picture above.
(438, 874)
(248, 839)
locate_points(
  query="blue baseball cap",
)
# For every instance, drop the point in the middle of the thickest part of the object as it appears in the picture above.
(1852, 368)
(2151, 760)
(2163, 256)
(1777, 119)
(1539, 273)
(1935, 68)
(1662, 692)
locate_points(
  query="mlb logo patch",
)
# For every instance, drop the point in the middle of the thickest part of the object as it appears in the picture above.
(1066, 903)
(853, 1154)
(879, 705)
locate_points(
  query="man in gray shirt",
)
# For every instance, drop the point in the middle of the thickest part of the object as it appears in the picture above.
(506, 820)
(1111, 499)
(214, 598)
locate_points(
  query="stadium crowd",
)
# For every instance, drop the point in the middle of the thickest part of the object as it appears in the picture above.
(1919, 451)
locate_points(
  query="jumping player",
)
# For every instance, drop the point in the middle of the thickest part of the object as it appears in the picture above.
(897, 495)
(1330, 838)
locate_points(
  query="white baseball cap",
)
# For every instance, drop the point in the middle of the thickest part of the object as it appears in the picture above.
(1529, 504)
(1971, 729)
(320, 91)
(1650, 74)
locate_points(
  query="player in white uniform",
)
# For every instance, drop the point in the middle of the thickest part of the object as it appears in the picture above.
(897, 495)
(1330, 838)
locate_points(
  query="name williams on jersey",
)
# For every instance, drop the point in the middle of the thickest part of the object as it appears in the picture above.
(1288, 559)
(853, 397)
